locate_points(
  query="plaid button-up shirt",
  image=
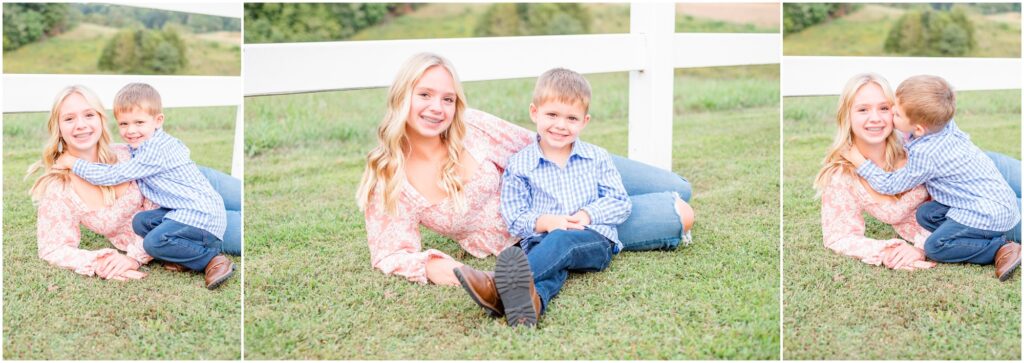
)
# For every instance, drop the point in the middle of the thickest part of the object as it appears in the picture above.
(533, 185)
(957, 174)
(166, 175)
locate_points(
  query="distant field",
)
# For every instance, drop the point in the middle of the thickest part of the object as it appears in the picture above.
(863, 33)
(78, 50)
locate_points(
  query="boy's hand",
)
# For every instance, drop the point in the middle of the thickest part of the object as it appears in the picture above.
(65, 162)
(582, 217)
(853, 155)
(550, 222)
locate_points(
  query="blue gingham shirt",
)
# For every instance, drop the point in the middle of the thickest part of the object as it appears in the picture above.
(956, 174)
(166, 175)
(533, 186)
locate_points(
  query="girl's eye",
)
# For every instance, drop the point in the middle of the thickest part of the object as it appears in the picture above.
(424, 95)
(449, 100)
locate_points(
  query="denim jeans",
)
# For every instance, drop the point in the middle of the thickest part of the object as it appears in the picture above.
(172, 241)
(1010, 169)
(653, 223)
(230, 189)
(953, 242)
(553, 255)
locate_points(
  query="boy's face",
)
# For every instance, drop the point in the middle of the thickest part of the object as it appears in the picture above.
(138, 125)
(558, 123)
(903, 123)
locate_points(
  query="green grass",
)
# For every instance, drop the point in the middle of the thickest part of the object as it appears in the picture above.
(863, 33)
(311, 293)
(459, 21)
(56, 314)
(839, 308)
(78, 52)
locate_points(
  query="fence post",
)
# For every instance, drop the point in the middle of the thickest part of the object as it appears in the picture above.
(238, 149)
(651, 88)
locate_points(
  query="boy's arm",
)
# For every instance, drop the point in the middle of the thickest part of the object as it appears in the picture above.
(917, 170)
(515, 205)
(612, 205)
(146, 162)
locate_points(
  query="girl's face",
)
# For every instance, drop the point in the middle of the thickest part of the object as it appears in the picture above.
(80, 125)
(871, 115)
(433, 103)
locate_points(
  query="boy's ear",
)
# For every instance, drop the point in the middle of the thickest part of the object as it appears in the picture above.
(920, 130)
(159, 119)
(533, 112)
(586, 120)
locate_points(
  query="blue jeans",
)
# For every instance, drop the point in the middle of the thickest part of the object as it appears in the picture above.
(653, 223)
(230, 189)
(553, 255)
(1010, 169)
(954, 242)
(172, 241)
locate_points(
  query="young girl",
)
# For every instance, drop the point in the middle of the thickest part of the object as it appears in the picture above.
(439, 164)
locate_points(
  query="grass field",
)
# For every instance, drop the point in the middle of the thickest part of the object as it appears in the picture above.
(459, 20)
(840, 308)
(55, 314)
(863, 33)
(78, 52)
(311, 293)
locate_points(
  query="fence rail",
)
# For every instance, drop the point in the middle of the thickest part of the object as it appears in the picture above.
(811, 76)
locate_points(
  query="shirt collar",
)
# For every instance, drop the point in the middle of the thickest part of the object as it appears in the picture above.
(158, 133)
(949, 129)
(578, 149)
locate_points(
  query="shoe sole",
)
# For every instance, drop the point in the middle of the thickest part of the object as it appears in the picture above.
(1009, 272)
(465, 286)
(216, 283)
(513, 278)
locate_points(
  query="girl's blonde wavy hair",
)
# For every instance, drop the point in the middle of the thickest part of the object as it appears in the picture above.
(834, 161)
(385, 164)
(56, 146)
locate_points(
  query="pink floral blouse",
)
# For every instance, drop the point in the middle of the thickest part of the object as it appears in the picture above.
(394, 240)
(842, 223)
(61, 211)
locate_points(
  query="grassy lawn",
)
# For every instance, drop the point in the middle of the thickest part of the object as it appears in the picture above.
(863, 33)
(311, 293)
(840, 308)
(52, 313)
(459, 21)
(78, 52)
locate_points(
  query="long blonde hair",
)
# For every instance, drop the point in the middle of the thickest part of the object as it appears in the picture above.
(834, 161)
(385, 164)
(56, 146)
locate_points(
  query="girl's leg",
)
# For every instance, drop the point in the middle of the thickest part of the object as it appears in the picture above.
(640, 178)
(232, 243)
(653, 223)
(1010, 169)
(229, 187)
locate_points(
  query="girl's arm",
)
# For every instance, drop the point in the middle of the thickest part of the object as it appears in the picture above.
(842, 225)
(394, 241)
(908, 227)
(58, 235)
(504, 137)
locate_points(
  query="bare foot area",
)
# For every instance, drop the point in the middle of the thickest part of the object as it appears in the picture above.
(760, 14)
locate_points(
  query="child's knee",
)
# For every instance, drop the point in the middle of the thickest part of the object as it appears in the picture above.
(139, 225)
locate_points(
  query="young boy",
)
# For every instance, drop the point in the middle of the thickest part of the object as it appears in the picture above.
(189, 225)
(972, 205)
(562, 196)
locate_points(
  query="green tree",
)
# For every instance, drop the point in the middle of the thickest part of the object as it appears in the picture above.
(29, 22)
(510, 19)
(926, 32)
(144, 51)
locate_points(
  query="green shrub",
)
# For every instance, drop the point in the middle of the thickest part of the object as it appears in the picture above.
(307, 22)
(931, 33)
(26, 23)
(511, 19)
(799, 16)
(144, 51)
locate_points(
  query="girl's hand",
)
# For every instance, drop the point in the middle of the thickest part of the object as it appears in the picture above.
(115, 265)
(550, 222)
(904, 256)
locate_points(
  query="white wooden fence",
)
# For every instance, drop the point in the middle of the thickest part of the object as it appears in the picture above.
(649, 53)
(35, 92)
(810, 76)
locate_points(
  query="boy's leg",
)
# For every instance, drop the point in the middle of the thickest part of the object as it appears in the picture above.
(562, 251)
(188, 246)
(954, 242)
(229, 187)
(931, 215)
(145, 221)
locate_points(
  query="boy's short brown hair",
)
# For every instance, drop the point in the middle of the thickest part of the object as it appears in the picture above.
(926, 100)
(562, 85)
(138, 96)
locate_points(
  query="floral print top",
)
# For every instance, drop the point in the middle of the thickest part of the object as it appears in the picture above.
(395, 241)
(61, 211)
(843, 203)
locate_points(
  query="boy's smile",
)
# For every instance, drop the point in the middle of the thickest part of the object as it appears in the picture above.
(558, 124)
(137, 125)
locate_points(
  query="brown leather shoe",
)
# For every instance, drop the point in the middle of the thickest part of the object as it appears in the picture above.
(218, 270)
(480, 286)
(514, 279)
(1007, 260)
(175, 267)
